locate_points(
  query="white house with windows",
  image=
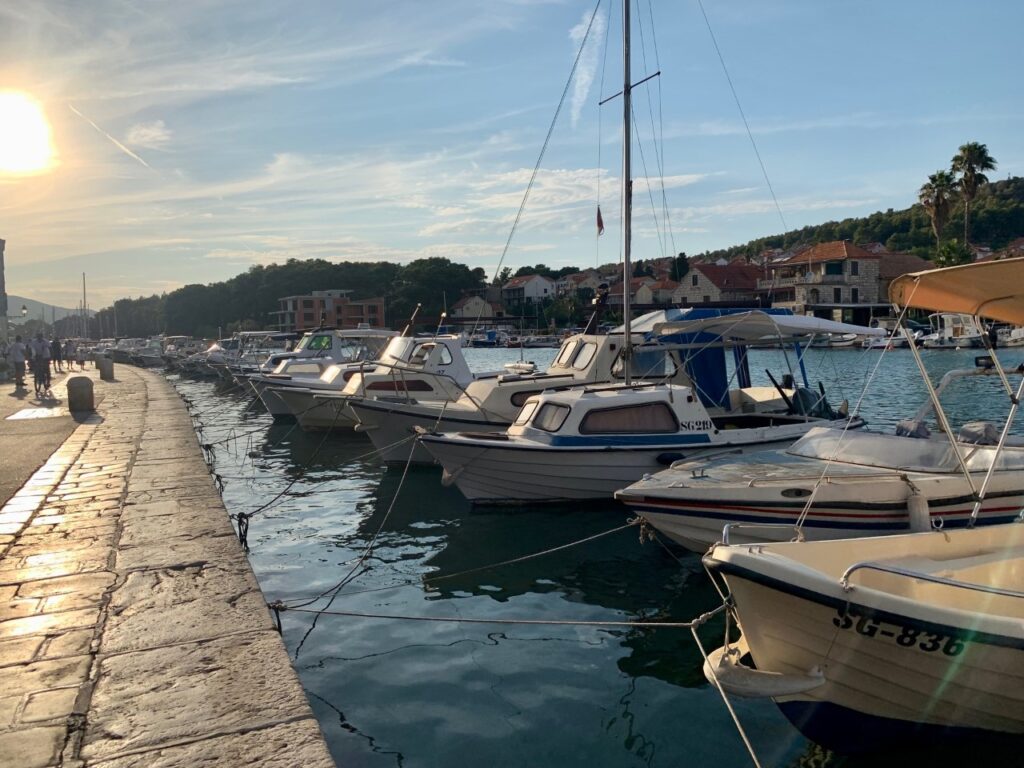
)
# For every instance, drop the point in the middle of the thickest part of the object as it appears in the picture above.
(527, 289)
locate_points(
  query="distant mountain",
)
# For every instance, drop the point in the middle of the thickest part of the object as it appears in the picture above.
(36, 309)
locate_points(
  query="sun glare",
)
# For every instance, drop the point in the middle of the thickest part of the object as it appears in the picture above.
(25, 142)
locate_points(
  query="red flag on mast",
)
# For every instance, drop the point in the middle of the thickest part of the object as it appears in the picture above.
(600, 222)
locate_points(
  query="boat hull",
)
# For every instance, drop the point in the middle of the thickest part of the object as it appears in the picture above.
(697, 522)
(390, 428)
(317, 413)
(889, 677)
(492, 473)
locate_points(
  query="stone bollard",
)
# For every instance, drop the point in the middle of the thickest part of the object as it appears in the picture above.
(80, 395)
(106, 368)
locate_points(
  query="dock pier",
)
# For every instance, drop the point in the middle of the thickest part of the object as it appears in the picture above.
(133, 632)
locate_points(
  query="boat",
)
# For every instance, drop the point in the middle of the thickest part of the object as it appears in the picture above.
(410, 368)
(837, 341)
(870, 643)
(588, 442)
(953, 330)
(317, 352)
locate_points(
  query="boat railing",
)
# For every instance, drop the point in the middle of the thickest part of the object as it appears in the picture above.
(896, 570)
(730, 527)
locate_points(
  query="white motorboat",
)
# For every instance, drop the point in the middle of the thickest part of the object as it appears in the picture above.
(587, 442)
(870, 643)
(431, 368)
(836, 341)
(844, 485)
(953, 330)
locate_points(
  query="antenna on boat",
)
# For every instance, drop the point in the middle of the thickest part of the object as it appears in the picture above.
(412, 319)
(440, 325)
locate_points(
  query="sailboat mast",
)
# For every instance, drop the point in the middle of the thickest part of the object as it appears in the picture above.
(627, 192)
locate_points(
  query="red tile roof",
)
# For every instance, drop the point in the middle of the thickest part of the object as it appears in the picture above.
(517, 282)
(836, 250)
(893, 265)
(731, 277)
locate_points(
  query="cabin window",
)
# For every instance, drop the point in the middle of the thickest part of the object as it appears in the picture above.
(584, 356)
(551, 417)
(631, 419)
(421, 352)
(526, 413)
(646, 363)
(521, 397)
(320, 342)
(566, 354)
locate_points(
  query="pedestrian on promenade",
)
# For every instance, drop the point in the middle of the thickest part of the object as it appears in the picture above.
(69, 353)
(57, 355)
(80, 355)
(16, 353)
(40, 349)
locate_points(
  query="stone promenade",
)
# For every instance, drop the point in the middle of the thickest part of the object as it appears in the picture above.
(132, 630)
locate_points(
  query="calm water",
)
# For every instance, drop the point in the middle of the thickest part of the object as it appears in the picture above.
(403, 693)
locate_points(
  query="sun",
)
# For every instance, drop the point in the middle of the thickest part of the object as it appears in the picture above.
(26, 145)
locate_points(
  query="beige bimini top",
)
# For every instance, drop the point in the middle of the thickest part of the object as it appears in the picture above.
(992, 289)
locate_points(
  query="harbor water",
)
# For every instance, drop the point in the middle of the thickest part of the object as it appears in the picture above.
(394, 691)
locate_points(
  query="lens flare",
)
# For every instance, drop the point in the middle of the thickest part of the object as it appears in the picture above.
(26, 144)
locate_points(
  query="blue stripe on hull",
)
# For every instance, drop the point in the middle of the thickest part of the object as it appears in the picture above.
(854, 733)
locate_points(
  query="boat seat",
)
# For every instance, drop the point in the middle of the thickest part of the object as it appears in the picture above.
(978, 433)
(913, 428)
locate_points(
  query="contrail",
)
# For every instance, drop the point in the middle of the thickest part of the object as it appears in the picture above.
(115, 142)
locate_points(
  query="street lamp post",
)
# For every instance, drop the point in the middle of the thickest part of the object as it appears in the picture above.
(6, 330)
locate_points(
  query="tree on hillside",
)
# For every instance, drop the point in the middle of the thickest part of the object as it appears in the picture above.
(504, 276)
(970, 163)
(680, 266)
(427, 282)
(936, 196)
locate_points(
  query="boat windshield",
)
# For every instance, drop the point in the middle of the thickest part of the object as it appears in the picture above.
(892, 452)
(646, 364)
(566, 353)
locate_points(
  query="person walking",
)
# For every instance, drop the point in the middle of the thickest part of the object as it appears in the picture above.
(16, 352)
(57, 355)
(69, 353)
(40, 349)
(80, 354)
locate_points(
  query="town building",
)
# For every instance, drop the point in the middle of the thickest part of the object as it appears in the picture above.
(579, 282)
(837, 280)
(527, 289)
(331, 309)
(475, 306)
(639, 292)
(718, 283)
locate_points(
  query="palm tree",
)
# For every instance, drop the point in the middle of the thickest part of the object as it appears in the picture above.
(971, 162)
(936, 196)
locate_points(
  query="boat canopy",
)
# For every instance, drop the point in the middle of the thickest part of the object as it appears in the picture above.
(992, 289)
(757, 325)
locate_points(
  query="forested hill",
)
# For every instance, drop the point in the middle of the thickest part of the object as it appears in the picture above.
(997, 217)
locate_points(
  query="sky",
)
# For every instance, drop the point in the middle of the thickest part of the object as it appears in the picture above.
(192, 140)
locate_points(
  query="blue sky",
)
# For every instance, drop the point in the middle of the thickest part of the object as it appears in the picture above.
(196, 139)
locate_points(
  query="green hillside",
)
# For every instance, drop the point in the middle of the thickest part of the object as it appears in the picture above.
(997, 218)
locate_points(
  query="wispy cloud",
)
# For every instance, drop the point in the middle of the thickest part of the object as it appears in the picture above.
(587, 66)
(153, 135)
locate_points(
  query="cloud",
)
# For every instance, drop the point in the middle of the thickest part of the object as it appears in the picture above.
(154, 135)
(587, 67)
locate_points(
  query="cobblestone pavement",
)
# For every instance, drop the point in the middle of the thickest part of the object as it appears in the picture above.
(132, 630)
